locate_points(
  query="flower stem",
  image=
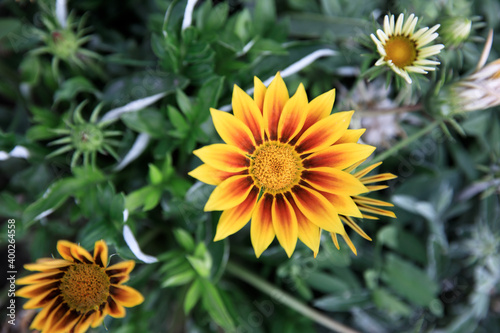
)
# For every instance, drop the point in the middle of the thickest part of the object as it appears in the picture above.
(280, 296)
(405, 142)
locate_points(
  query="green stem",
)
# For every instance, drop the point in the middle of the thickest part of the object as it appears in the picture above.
(286, 299)
(405, 142)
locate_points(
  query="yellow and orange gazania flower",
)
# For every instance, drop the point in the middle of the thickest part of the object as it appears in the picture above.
(77, 291)
(283, 167)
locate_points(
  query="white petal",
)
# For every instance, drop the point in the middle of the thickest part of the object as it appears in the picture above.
(139, 146)
(399, 24)
(188, 14)
(134, 246)
(131, 107)
(62, 12)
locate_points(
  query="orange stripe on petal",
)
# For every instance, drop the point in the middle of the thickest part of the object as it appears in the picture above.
(275, 100)
(293, 115)
(223, 157)
(126, 296)
(64, 249)
(38, 288)
(229, 193)
(333, 181)
(66, 323)
(80, 254)
(285, 224)
(350, 222)
(210, 175)
(232, 220)
(343, 204)
(246, 110)
(42, 316)
(38, 301)
(40, 277)
(378, 178)
(261, 228)
(351, 136)
(324, 133)
(121, 268)
(259, 93)
(309, 233)
(46, 265)
(338, 156)
(317, 209)
(84, 323)
(233, 131)
(319, 108)
(101, 253)
(114, 309)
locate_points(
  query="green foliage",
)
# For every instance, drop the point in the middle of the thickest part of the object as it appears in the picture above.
(103, 154)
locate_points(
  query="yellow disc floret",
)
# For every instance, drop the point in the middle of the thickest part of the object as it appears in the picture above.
(85, 287)
(275, 167)
(401, 50)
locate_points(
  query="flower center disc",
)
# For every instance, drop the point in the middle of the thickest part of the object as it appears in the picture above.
(84, 287)
(401, 50)
(276, 166)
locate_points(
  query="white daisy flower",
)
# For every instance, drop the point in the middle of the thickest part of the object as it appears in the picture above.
(403, 50)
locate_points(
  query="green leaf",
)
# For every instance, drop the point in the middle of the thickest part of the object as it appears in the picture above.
(177, 119)
(209, 94)
(184, 103)
(213, 303)
(403, 242)
(149, 121)
(409, 281)
(192, 296)
(148, 196)
(72, 87)
(326, 283)
(140, 85)
(155, 175)
(202, 267)
(30, 69)
(264, 16)
(343, 302)
(60, 191)
(184, 239)
(179, 279)
(385, 301)
(315, 26)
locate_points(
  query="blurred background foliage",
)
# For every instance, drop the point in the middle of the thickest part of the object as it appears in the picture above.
(99, 116)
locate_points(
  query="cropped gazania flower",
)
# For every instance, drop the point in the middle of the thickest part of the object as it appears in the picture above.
(77, 291)
(283, 167)
(403, 50)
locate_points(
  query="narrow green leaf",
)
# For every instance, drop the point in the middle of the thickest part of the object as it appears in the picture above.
(192, 296)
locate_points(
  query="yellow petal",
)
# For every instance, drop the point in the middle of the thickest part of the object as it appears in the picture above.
(210, 175)
(125, 295)
(232, 220)
(101, 253)
(275, 100)
(339, 156)
(64, 249)
(351, 136)
(47, 265)
(229, 193)
(233, 131)
(246, 110)
(343, 204)
(81, 255)
(309, 233)
(333, 181)
(285, 224)
(293, 116)
(319, 108)
(223, 157)
(324, 133)
(317, 209)
(259, 93)
(261, 229)
(121, 268)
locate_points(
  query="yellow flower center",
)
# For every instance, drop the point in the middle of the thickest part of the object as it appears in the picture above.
(85, 287)
(275, 167)
(401, 50)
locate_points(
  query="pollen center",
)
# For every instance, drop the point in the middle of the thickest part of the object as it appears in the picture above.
(275, 166)
(401, 50)
(85, 287)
